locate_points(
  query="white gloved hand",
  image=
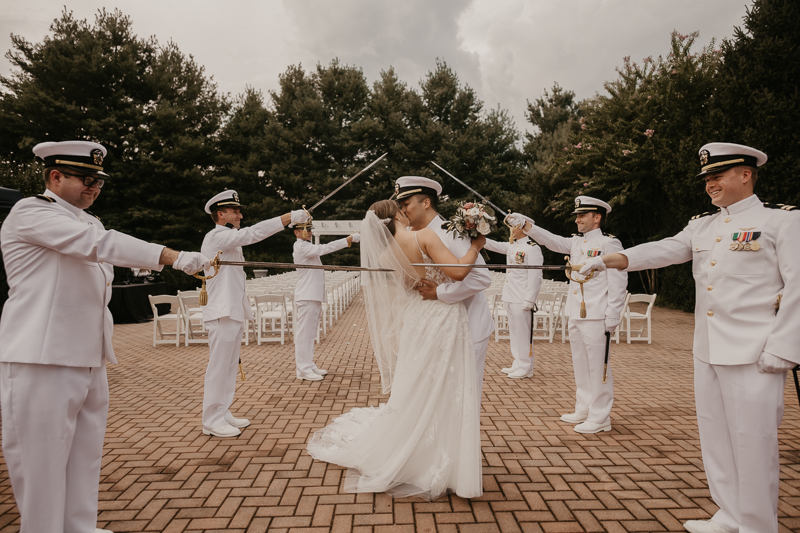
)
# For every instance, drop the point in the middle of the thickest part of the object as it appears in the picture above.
(299, 217)
(593, 263)
(191, 262)
(528, 305)
(771, 364)
(519, 220)
(356, 237)
(611, 324)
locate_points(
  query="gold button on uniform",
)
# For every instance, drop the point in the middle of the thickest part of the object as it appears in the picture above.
(713, 263)
(574, 292)
(710, 288)
(710, 313)
(727, 220)
(108, 284)
(719, 239)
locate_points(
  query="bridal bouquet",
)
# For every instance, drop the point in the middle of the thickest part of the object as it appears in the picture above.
(472, 219)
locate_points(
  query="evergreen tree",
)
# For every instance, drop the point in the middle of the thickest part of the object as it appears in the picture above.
(150, 105)
(758, 94)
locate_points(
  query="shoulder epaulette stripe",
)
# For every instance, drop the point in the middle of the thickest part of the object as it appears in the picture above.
(90, 213)
(707, 213)
(609, 235)
(782, 207)
(43, 197)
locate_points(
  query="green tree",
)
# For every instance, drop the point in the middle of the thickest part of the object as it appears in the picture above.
(758, 94)
(150, 105)
(636, 148)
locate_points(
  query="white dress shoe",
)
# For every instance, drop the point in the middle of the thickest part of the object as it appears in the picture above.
(519, 374)
(594, 427)
(574, 418)
(237, 422)
(704, 526)
(225, 430)
(320, 372)
(311, 377)
(506, 370)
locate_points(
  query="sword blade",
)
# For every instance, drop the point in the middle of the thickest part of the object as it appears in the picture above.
(497, 266)
(339, 188)
(473, 191)
(263, 264)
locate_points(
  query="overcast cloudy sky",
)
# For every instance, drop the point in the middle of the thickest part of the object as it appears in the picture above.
(509, 51)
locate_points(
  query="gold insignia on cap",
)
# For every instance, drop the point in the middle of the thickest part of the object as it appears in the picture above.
(577, 202)
(235, 197)
(704, 156)
(97, 156)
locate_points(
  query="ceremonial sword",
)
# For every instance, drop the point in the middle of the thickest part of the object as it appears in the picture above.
(473, 191)
(498, 266)
(605, 363)
(339, 188)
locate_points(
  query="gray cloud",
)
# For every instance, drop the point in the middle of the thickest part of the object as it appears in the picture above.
(509, 51)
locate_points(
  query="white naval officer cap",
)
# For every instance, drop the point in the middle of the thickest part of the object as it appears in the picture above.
(84, 156)
(587, 204)
(223, 199)
(410, 185)
(718, 157)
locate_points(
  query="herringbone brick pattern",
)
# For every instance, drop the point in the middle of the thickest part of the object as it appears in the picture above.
(161, 474)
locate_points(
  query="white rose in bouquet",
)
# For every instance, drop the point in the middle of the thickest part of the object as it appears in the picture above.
(484, 227)
(474, 211)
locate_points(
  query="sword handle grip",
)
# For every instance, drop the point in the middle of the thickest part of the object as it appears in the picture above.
(202, 298)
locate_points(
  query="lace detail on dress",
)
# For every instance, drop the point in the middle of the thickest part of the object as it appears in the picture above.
(432, 273)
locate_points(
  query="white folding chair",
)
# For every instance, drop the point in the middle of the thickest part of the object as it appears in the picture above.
(500, 315)
(193, 327)
(269, 309)
(545, 315)
(174, 315)
(621, 328)
(650, 300)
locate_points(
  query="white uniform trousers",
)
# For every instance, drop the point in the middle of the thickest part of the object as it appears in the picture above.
(587, 339)
(739, 410)
(480, 361)
(305, 331)
(519, 329)
(54, 423)
(224, 346)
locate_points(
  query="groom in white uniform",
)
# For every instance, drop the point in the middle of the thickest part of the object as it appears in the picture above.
(419, 200)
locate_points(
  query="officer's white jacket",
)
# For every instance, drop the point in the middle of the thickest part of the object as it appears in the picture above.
(470, 289)
(311, 283)
(59, 261)
(226, 290)
(736, 291)
(605, 292)
(520, 285)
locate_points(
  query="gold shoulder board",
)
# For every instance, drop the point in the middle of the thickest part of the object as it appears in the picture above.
(46, 198)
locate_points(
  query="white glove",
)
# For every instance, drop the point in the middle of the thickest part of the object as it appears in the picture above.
(356, 237)
(299, 217)
(527, 306)
(611, 324)
(519, 220)
(594, 263)
(771, 364)
(191, 262)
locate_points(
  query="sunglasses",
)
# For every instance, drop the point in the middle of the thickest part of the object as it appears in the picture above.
(88, 181)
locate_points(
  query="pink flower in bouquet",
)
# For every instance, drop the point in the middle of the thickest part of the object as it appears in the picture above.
(468, 224)
(468, 205)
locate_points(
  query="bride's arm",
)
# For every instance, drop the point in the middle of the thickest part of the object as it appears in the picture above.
(434, 248)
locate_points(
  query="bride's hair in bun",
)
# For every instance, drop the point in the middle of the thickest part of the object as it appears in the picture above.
(386, 210)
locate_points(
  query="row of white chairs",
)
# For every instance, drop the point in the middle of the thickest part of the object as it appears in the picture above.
(550, 314)
(272, 301)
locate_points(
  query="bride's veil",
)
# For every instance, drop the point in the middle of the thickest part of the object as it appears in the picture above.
(386, 294)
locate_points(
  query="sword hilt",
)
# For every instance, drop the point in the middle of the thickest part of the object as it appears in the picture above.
(202, 298)
(511, 229)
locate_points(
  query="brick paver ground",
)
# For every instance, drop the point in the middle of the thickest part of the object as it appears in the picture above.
(161, 474)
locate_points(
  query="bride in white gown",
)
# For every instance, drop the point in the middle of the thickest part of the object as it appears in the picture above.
(425, 441)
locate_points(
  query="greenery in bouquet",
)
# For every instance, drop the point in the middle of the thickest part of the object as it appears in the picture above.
(472, 219)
